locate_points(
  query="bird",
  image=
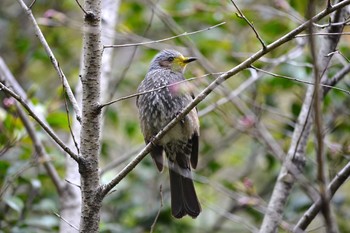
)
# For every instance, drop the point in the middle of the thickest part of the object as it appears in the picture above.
(156, 109)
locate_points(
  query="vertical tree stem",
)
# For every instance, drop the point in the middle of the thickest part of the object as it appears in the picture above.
(91, 117)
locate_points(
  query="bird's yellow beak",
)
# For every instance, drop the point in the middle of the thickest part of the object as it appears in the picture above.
(189, 59)
(183, 61)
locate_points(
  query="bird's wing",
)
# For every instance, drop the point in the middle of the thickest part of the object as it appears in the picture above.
(157, 156)
(194, 153)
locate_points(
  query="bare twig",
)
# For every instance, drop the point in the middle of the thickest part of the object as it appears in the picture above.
(74, 184)
(330, 24)
(329, 4)
(104, 189)
(286, 12)
(70, 126)
(81, 7)
(32, 4)
(317, 104)
(338, 52)
(64, 220)
(324, 34)
(301, 81)
(241, 15)
(336, 78)
(165, 39)
(52, 59)
(121, 159)
(39, 121)
(333, 186)
(160, 208)
(232, 217)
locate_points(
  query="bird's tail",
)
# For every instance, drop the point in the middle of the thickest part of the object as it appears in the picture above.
(183, 195)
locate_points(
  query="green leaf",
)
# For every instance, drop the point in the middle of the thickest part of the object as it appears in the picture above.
(15, 203)
(58, 120)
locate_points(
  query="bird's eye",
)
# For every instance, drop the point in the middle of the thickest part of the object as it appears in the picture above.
(170, 59)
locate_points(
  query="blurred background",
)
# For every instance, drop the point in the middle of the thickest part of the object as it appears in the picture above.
(240, 121)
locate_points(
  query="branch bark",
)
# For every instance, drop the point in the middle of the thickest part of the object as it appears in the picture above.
(91, 118)
(322, 177)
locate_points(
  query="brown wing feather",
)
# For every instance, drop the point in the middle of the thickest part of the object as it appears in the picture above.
(157, 156)
(194, 153)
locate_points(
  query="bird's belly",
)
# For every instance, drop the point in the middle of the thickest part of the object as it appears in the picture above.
(164, 107)
(175, 134)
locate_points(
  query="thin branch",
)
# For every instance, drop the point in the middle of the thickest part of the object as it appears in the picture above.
(324, 34)
(336, 78)
(300, 81)
(121, 159)
(162, 40)
(39, 121)
(232, 217)
(73, 184)
(330, 24)
(241, 15)
(64, 220)
(53, 60)
(70, 126)
(81, 7)
(333, 186)
(32, 4)
(329, 4)
(317, 105)
(104, 189)
(341, 54)
(160, 208)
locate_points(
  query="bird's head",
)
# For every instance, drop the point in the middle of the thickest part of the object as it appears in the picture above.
(171, 59)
